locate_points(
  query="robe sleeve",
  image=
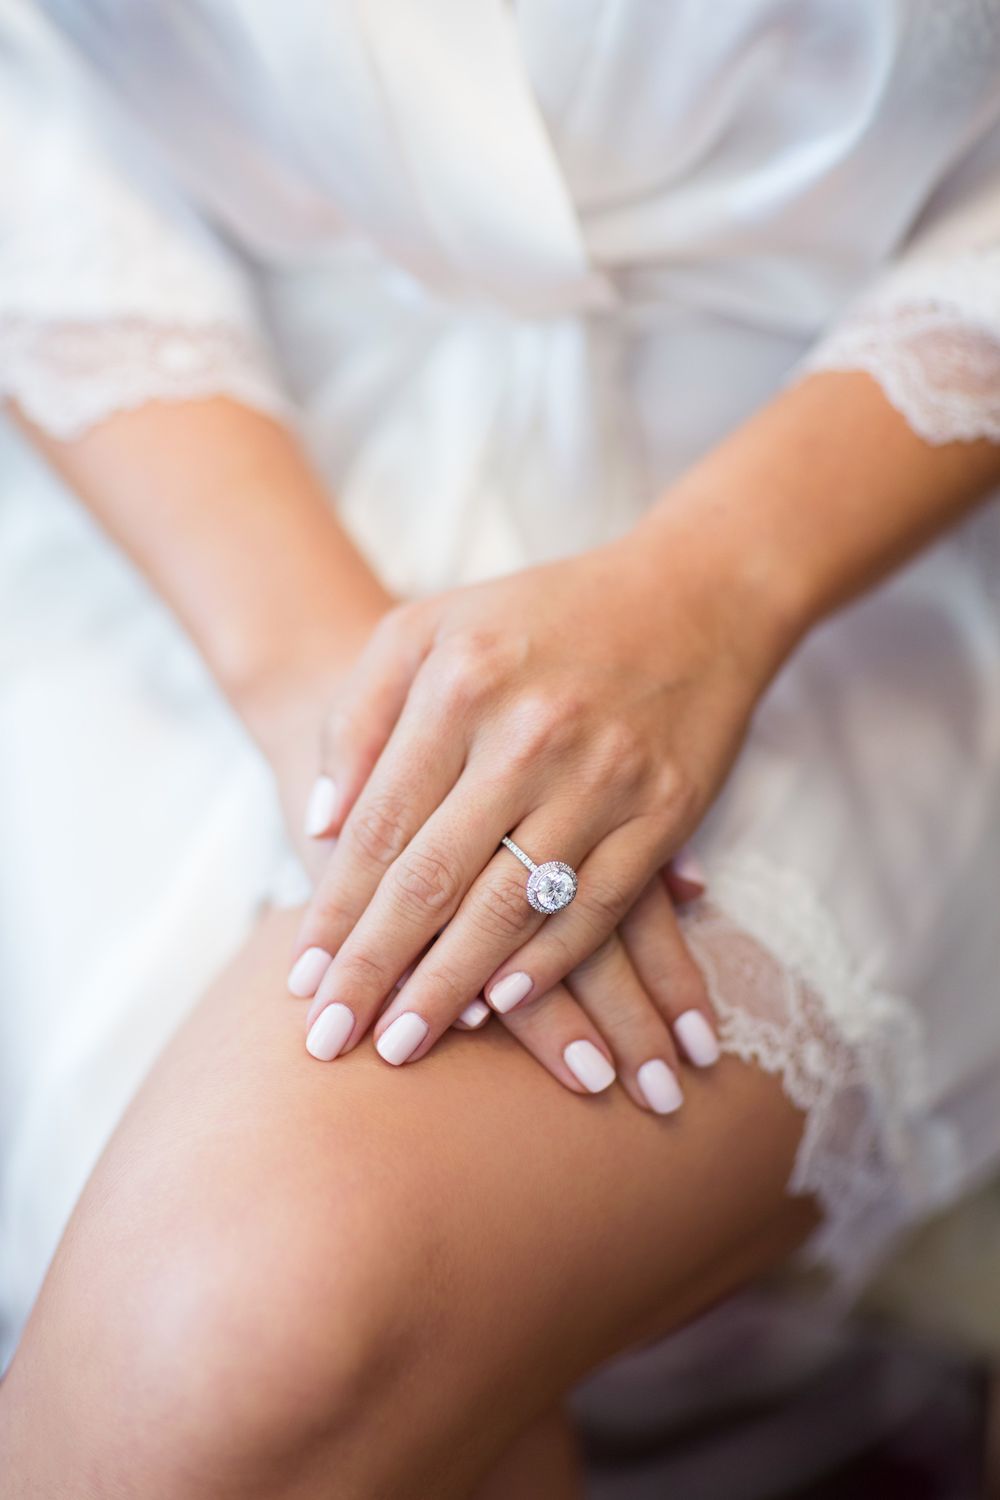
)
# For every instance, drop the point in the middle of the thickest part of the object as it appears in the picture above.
(928, 327)
(113, 292)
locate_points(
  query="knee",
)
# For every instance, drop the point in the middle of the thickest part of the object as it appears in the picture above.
(270, 1341)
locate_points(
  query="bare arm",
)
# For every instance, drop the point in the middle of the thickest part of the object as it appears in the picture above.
(220, 509)
(819, 496)
(592, 708)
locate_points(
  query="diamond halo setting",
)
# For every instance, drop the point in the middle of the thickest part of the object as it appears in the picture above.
(551, 885)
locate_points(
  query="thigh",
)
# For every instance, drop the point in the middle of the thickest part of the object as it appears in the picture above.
(517, 1233)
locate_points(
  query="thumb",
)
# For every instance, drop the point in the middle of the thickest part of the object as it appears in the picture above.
(364, 714)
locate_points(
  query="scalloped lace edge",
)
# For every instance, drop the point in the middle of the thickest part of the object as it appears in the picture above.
(938, 366)
(850, 1057)
(69, 377)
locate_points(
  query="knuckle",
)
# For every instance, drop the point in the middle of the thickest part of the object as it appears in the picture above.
(622, 754)
(329, 913)
(502, 907)
(378, 829)
(674, 794)
(361, 970)
(396, 625)
(606, 902)
(425, 881)
(535, 724)
(454, 680)
(470, 666)
(451, 990)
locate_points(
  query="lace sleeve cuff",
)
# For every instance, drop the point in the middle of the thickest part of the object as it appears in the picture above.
(113, 292)
(930, 336)
(68, 377)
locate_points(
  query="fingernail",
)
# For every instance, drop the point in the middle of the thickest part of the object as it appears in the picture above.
(307, 972)
(400, 1040)
(589, 1066)
(697, 1038)
(329, 1032)
(506, 993)
(321, 1001)
(321, 807)
(659, 1086)
(689, 867)
(475, 1013)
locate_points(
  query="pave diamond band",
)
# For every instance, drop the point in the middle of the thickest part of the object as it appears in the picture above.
(551, 885)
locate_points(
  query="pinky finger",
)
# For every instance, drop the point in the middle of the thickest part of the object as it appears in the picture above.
(655, 944)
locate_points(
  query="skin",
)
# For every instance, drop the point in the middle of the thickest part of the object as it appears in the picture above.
(289, 1281)
(599, 738)
(581, 1224)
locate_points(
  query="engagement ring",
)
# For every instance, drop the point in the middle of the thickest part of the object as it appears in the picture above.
(551, 886)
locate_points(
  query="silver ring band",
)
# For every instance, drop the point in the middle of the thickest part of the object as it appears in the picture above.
(551, 885)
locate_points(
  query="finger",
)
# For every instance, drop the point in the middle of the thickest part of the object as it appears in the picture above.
(473, 1017)
(685, 876)
(669, 975)
(561, 1036)
(611, 993)
(414, 774)
(494, 918)
(361, 721)
(610, 880)
(418, 898)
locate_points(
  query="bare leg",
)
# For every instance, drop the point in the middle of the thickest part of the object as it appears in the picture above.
(290, 1279)
(542, 1464)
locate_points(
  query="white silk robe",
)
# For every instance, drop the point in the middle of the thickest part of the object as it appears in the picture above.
(509, 269)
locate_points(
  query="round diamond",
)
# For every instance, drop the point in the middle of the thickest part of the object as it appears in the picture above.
(551, 886)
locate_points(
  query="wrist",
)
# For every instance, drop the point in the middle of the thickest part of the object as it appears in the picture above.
(287, 689)
(814, 500)
(707, 541)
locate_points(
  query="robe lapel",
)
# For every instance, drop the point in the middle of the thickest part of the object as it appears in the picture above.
(421, 117)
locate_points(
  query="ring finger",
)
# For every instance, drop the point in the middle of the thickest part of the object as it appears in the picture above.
(477, 927)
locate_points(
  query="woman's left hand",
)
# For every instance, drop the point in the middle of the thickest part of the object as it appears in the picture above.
(590, 708)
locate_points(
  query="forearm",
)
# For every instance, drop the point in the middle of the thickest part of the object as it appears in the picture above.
(815, 499)
(220, 509)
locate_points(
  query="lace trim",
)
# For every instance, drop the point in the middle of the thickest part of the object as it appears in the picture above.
(850, 1057)
(67, 377)
(929, 333)
(942, 374)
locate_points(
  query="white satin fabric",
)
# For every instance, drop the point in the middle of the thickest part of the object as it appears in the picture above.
(510, 269)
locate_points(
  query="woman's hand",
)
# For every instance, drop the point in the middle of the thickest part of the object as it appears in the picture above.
(590, 708)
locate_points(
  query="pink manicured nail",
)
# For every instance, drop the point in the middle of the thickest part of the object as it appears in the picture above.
(400, 1040)
(307, 971)
(329, 1032)
(688, 866)
(475, 1013)
(697, 1038)
(659, 1086)
(318, 1006)
(589, 1066)
(321, 808)
(506, 993)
